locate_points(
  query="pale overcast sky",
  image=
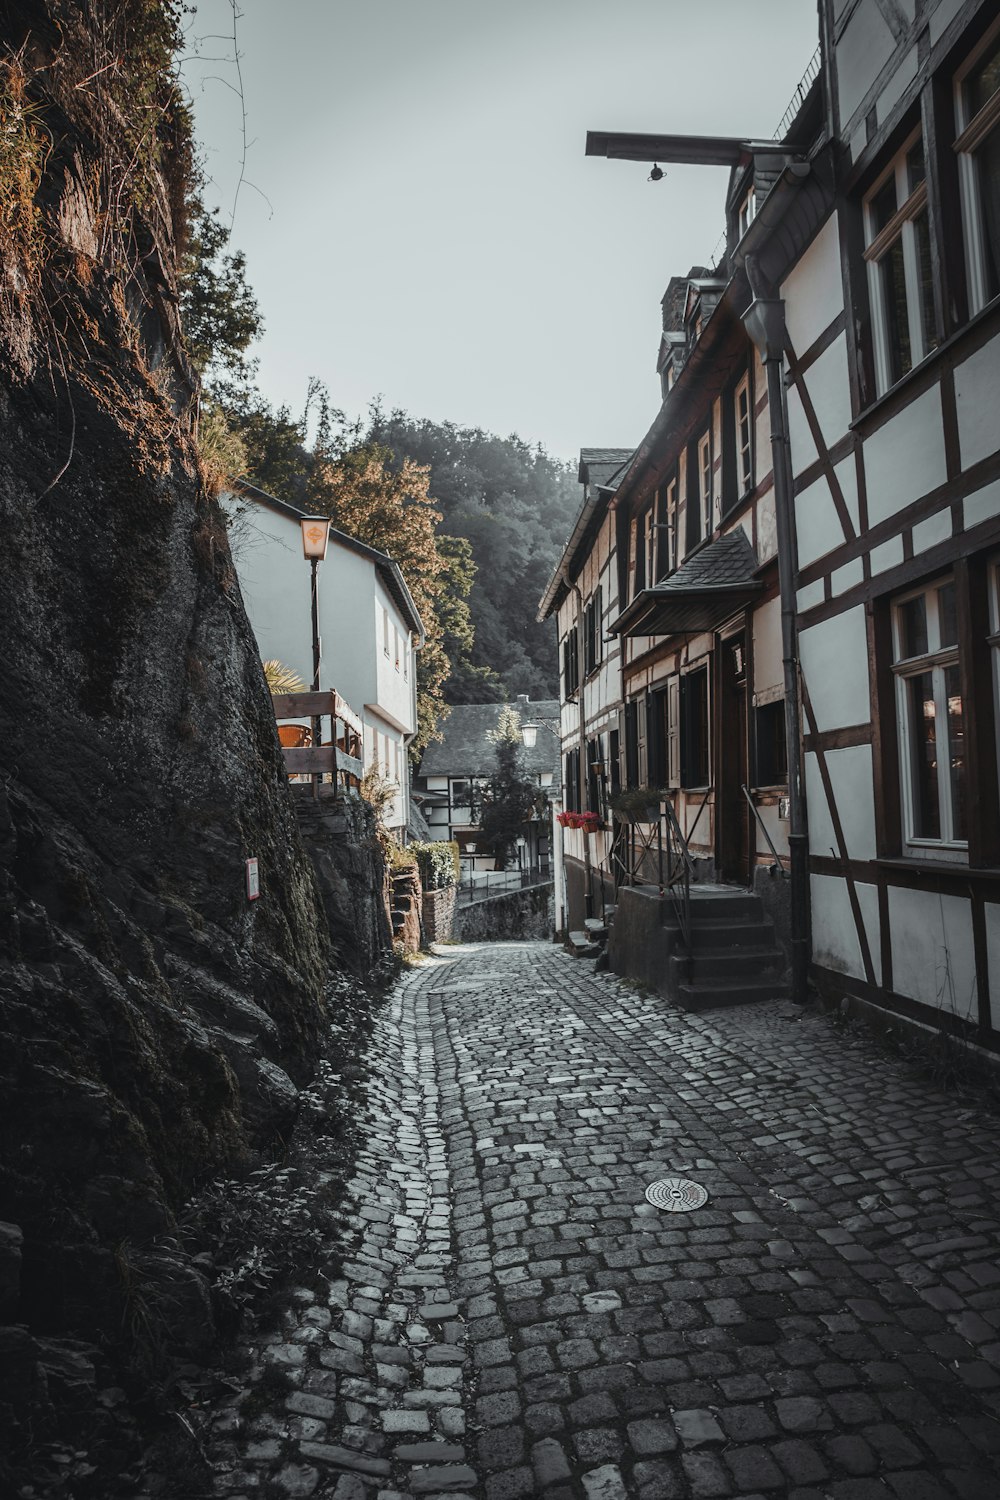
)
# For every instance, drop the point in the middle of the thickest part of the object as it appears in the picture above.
(433, 231)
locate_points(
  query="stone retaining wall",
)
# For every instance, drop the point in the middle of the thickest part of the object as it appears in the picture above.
(516, 914)
(439, 914)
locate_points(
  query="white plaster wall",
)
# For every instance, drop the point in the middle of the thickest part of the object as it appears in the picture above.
(274, 582)
(810, 595)
(834, 656)
(393, 687)
(865, 46)
(834, 931)
(850, 773)
(818, 528)
(847, 577)
(934, 529)
(829, 387)
(932, 951)
(904, 459)
(767, 667)
(946, 12)
(776, 827)
(800, 438)
(977, 385)
(767, 528)
(992, 913)
(888, 555)
(903, 75)
(813, 291)
(982, 505)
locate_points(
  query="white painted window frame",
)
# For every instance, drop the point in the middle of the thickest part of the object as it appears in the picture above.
(935, 660)
(705, 483)
(900, 226)
(666, 531)
(993, 640)
(971, 134)
(748, 212)
(744, 450)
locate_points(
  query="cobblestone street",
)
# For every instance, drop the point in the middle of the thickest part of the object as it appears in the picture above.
(516, 1320)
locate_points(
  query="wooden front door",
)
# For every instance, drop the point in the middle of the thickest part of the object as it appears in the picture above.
(733, 812)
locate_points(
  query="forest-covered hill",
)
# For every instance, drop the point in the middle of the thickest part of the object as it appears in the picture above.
(515, 505)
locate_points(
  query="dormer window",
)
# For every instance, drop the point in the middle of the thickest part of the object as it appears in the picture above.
(747, 213)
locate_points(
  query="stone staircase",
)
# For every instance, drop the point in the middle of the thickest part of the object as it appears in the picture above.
(735, 958)
(404, 910)
(591, 941)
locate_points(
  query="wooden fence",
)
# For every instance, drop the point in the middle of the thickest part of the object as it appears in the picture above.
(340, 756)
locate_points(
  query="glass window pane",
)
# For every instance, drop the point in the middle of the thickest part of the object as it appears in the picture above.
(883, 205)
(925, 813)
(956, 751)
(987, 166)
(926, 283)
(915, 171)
(897, 325)
(984, 80)
(912, 618)
(947, 615)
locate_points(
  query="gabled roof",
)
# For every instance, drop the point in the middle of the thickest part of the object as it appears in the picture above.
(714, 583)
(600, 470)
(465, 750)
(388, 570)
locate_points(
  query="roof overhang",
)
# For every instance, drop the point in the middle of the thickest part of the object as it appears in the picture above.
(713, 584)
(684, 611)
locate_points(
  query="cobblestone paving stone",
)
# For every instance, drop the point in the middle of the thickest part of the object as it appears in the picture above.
(518, 1321)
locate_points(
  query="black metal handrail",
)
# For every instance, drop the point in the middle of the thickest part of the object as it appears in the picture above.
(678, 874)
(777, 866)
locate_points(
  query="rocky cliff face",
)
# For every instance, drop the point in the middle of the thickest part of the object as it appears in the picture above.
(153, 1022)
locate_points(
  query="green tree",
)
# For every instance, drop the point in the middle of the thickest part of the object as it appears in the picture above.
(510, 796)
(219, 311)
(515, 505)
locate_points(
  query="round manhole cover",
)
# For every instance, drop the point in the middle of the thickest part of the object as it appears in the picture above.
(678, 1195)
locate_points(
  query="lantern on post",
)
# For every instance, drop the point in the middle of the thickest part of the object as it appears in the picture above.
(315, 540)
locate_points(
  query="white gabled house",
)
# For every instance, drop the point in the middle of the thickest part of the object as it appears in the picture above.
(369, 625)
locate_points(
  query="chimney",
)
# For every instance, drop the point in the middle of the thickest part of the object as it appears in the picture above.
(522, 703)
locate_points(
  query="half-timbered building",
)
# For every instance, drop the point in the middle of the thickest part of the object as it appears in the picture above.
(893, 371)
(862, 265)
(583, 598)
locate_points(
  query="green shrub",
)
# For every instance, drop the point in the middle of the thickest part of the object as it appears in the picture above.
(438, 862)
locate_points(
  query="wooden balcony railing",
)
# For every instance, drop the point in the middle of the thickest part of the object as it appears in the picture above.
(338, 757)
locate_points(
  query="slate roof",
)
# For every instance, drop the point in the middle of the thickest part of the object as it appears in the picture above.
(717, 581)
(598, 465)
(465, 750)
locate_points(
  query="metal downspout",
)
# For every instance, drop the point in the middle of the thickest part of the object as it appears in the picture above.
(765, 323)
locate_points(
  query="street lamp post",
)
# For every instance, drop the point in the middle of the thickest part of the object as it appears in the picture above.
(315, 539)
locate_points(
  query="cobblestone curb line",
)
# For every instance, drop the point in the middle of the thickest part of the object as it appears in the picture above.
(374, 1401)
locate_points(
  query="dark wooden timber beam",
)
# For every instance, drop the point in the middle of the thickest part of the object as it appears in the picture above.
(708, 150)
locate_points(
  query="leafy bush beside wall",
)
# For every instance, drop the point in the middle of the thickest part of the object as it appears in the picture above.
(438, 862)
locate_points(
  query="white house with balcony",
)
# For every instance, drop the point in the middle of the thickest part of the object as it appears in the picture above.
(368, 623)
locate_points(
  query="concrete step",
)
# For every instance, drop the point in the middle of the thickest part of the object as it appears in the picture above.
(730, 964)
(582, 945)
(715, 902)
(716, 995)
(596, 927)
(726, 933)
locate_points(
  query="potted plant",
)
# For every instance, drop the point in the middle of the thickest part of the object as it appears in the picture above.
(589, 822)
(638, 804)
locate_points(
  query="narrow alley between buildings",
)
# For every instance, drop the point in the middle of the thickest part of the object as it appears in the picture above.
(516, 1319)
